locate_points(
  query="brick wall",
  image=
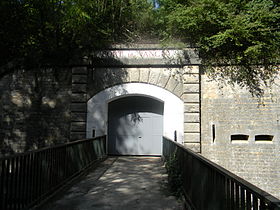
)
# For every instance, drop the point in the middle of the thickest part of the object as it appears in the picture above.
(227, 111)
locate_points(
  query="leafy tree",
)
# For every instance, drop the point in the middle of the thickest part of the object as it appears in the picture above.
(34, 33)
(244, 35)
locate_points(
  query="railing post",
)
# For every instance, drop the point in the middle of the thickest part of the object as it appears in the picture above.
(248, 200)
(209, 186)
(28, 178)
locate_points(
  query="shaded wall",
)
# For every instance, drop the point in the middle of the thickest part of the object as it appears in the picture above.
(34, 109)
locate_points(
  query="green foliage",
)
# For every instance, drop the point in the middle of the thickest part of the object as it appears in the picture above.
(175, 181)
(35, 33)
(242, 34)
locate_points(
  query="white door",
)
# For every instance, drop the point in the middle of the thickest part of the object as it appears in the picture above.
(134, 130)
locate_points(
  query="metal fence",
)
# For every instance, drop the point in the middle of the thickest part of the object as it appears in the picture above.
(27, 179)
(209, 186)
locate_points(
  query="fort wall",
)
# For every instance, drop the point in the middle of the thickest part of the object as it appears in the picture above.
(224, 123)
(242, 133)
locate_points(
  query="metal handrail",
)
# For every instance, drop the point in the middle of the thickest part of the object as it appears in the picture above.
(209, 186)
(27, 179)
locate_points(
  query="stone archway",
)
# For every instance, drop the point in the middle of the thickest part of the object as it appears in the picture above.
(174, 70)
(173, 115)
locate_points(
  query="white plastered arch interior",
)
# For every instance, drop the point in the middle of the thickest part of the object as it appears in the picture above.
(173, 116)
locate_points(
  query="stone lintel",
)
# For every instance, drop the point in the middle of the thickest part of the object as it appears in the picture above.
(144, 57)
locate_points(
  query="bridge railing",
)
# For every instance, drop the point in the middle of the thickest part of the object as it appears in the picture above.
(206, 185)
(29, 178)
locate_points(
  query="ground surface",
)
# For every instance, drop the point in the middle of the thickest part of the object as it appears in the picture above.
(121, 183)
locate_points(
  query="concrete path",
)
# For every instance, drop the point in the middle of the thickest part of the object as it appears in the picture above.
(121, 183)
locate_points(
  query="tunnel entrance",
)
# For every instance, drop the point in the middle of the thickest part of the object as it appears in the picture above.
(135, 126)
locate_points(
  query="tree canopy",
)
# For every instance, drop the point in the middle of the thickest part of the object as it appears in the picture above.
(243, 34)
(35, 32)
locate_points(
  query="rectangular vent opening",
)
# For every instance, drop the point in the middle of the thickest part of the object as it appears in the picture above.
(239, 137)
(263, 138)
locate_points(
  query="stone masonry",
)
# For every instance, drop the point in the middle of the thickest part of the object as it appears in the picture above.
(225, 124)
(191, 97)
(227, 111)
(162, 68)
(34, 109)
(78, 102)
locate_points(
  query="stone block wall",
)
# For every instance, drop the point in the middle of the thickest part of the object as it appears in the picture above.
(49, 106)
(79, 102)
(229, 111)
(191, 97)
(34, 109)
(52, 97)
(102, 78)
(181, 79)
(184, 82)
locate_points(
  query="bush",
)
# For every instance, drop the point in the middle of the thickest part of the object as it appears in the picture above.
(175, 182)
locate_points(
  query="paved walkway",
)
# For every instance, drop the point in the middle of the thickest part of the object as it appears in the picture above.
(121, 183)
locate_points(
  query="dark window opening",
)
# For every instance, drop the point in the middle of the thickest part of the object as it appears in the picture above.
(93, 133)
(263, 138)
(213, 132)
(239, 137)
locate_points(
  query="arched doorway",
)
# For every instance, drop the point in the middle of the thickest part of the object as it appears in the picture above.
(98, 106)
(135, 126)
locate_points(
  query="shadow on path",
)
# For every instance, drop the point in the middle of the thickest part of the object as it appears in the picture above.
(121, 183)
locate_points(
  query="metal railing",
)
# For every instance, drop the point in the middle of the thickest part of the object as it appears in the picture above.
(209, 186)
(29, 178)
